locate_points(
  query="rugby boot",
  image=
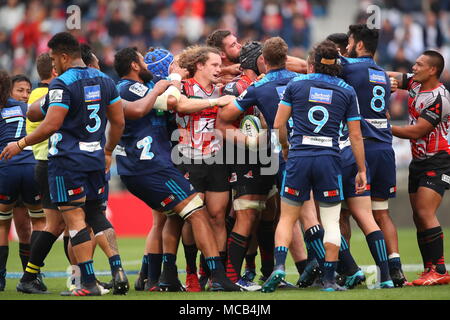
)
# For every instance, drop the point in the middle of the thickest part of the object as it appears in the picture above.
(84, 291)
(139, 283)
(120, 282)
(168, 281)
(311, 272)
(222, 283)
(192, 283)
(31, 287)
(432, 278)
(357, 278)
(329, 286)
(274, 280)
(398, 277)
(152, 286)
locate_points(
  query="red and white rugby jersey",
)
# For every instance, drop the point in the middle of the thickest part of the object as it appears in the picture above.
(197, 137)
(434, 106)
(235, 88)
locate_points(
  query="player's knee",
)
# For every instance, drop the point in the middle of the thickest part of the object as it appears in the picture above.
(380, 206)
(245, 204)
(329, 214)
(6, 215)
(95, 217)
(193, 206)
(79, 237)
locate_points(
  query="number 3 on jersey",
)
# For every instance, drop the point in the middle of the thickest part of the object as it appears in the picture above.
(319, 123)
(145, 144)
(95, 108)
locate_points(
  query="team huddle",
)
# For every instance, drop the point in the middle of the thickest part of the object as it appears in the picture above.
(235, 148)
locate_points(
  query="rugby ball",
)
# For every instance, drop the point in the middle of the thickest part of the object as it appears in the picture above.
(250, 126)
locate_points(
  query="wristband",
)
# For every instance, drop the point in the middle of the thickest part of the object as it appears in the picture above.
(22, 143)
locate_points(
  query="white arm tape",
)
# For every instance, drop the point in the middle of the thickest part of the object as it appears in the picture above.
(161, 101)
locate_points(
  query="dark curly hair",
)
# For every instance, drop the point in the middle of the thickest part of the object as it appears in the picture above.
(64, 42)
(5, 87)
(369, 37)
(325, 58)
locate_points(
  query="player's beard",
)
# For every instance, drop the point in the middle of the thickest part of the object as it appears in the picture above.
(233, 59)
(352, 53)
(145, 75)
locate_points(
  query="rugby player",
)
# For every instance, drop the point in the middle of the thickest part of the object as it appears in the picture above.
(429, 171)
(16, 175)
(318, 102)
(373, 90)
(199, 145)
(250, 188)
(146, 168)
(77, 129)
(23, 222)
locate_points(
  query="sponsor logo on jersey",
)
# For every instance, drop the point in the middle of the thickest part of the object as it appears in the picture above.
(291, 191)
(139, 89)
(92, 93)
(377, 76)
(446, 178)
(378, 123)
(76, 191)
(320, 95)
(233, 177)
(101, 190)
(280, 91)
(393, 190)
(55, 95)
(12, 112)
(318, 141)
(186, 175)
(167, 200)
(331, 193)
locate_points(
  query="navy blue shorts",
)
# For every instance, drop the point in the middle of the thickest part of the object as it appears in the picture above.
(67, 185)
(162, 190)
(381, 160)
(18, 180)
(349, 171)
(321, 173)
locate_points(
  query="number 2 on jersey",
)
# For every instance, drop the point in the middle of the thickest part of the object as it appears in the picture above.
(319, 123)
(145, 144)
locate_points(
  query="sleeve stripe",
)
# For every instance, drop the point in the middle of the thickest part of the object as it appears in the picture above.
(238, 106)
(43, 111)
(115, 100)
(59, 105)
(286, 103)
(353, 119)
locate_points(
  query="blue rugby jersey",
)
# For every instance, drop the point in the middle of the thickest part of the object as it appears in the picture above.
(145, 145)
(320, 103)
(373, 88)
(86, 93)
(266, 94)
(12, 128)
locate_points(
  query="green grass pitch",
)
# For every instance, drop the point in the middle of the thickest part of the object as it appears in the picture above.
(131, 250)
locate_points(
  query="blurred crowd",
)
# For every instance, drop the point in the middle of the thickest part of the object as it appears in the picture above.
(408, 27)
(26, 26)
